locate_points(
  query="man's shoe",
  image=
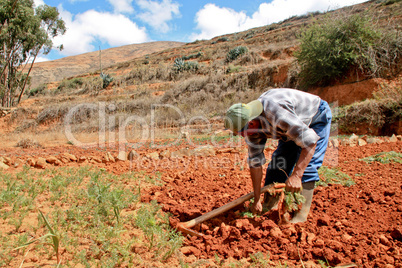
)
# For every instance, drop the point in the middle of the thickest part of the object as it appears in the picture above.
(307, 192)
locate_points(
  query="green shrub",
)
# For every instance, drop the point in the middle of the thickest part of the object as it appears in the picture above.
(107, 79)
(193, 56)
(180, 65)
(389, 2)
(332, 48)
(70, 84)
(221, 39)
(38, 90)
(235, 53)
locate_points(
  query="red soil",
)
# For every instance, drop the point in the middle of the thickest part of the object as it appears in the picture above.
(359, 224)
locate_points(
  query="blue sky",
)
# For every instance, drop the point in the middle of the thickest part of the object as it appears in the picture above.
(111, 23)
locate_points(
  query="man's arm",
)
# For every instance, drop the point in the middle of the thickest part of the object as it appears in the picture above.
(293, 183)
(256, 177)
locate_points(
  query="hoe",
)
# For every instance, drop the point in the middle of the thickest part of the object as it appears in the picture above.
(184, 227)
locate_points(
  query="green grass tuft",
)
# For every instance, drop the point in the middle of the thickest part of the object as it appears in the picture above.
(384, 158)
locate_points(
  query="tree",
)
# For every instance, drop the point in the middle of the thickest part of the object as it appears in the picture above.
(25, 31)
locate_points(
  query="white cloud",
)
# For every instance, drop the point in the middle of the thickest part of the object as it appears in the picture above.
(122, 6)
(157, 14)
(212, 20)
(38, 3)
(83, 30)
(41, 59)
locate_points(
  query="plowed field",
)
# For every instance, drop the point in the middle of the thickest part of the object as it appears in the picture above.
(359, 224)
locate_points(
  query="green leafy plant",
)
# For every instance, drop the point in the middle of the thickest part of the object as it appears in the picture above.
(235, 53)
(106, 78)
(333, 176)
(180, 65)
(384, 158)
(18, 220)
(55, 238)
(221, 39)
(294, 201)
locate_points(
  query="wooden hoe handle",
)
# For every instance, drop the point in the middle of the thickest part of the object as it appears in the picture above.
(224, 208)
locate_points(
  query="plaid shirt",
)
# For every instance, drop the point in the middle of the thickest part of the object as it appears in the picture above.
(287, 114)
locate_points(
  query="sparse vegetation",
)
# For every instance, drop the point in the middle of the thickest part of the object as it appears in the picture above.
(157, 231)
(69, 84)
(382, 111)
(95, 228)
(28, 143)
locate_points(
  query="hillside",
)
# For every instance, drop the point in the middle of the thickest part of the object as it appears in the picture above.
(194, 83)
(57, 70)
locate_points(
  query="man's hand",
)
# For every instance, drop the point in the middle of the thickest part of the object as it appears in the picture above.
(256, 208)
(256, 176)
(293, 184)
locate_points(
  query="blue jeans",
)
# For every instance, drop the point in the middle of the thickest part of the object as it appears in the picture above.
(286, 155)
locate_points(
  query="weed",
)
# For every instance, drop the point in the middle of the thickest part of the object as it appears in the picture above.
(247, 214)
(193, 56)
(384, 158)
(55, 239)
(233, 69)
(324, 264)
(218, 260)
(36, 91)
(17, 220)
(259, 259)
(220, 40)
(333, 176)
(159, 235)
